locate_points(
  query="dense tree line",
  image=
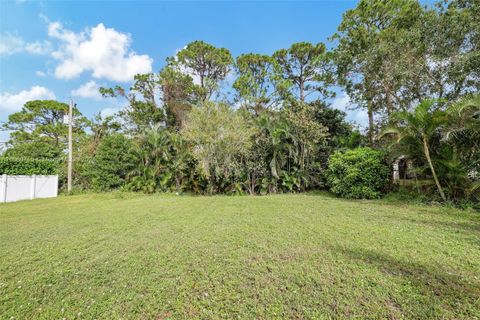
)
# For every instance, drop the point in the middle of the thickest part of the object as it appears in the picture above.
(414, 69)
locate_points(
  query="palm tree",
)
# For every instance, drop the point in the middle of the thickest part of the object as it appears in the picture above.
(419, 127)
(463, 128)
(153, 151)
(463, 132)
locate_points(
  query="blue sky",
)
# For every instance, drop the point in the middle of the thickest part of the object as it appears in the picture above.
(60, 49)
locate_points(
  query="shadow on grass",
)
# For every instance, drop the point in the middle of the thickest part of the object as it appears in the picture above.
(441, 289)
(470, 225)
(460, 226)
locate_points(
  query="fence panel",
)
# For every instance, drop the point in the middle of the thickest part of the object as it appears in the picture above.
(15, 188)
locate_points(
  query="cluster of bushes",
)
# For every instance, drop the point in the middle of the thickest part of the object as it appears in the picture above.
(160, 161)
(27, 166)
(218, 150)
(221, 150)
(303, 146)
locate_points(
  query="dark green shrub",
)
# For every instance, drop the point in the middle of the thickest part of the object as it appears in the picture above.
(112, 162)
(359, 173)
(25, 166)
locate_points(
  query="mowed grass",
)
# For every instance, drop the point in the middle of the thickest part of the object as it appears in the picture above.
(306, 256)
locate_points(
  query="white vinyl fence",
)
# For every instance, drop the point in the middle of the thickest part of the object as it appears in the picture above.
(14, 188)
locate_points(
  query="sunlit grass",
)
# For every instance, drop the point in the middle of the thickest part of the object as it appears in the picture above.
(286, 256)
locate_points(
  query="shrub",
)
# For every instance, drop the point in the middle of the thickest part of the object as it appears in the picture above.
(26, 166)
(359, 173)
(112, 162)
(221, 137)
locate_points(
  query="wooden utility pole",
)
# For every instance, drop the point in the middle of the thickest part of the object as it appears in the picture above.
(70, 146)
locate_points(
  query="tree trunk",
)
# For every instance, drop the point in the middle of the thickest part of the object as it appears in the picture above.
(204, 90)
(389, 103)
(370, 125)
(427, 155)
(302, 85)
(177, 183)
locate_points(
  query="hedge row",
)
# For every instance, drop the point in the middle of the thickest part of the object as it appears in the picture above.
(24, 166)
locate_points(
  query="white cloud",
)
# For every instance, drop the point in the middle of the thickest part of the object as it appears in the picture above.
(11, 44)
(106, 112)
(38, 47)
(40, 73)
(342, 102)
(103, 51)
(88, 90)
(10, 102)
(357, 115)
(231, 77)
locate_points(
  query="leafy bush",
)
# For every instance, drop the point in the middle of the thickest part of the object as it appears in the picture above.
(26, 166)
(358, 173)
(112, 162)
(222, 137)
(162, 162)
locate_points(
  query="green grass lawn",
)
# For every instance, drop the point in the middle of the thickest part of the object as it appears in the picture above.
(286, 256)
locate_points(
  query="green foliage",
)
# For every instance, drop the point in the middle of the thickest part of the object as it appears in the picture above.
(143, 110)
(308, 135)
(221, 139)
(417, 130)
(38, 130)
(367, 54)
(178, 94)
(166, 97)
(113, 160)
(227, 150)
(391, 55)
(354, 140)
(453, 175)
(339, 133)
(462, 131)
(256, 81)
(289, 151)
(162, 162)
(34, 149)
(27, 166)
(359, 173)
(305, 69)
(209, 63)
(446, 139)
(332, 119)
